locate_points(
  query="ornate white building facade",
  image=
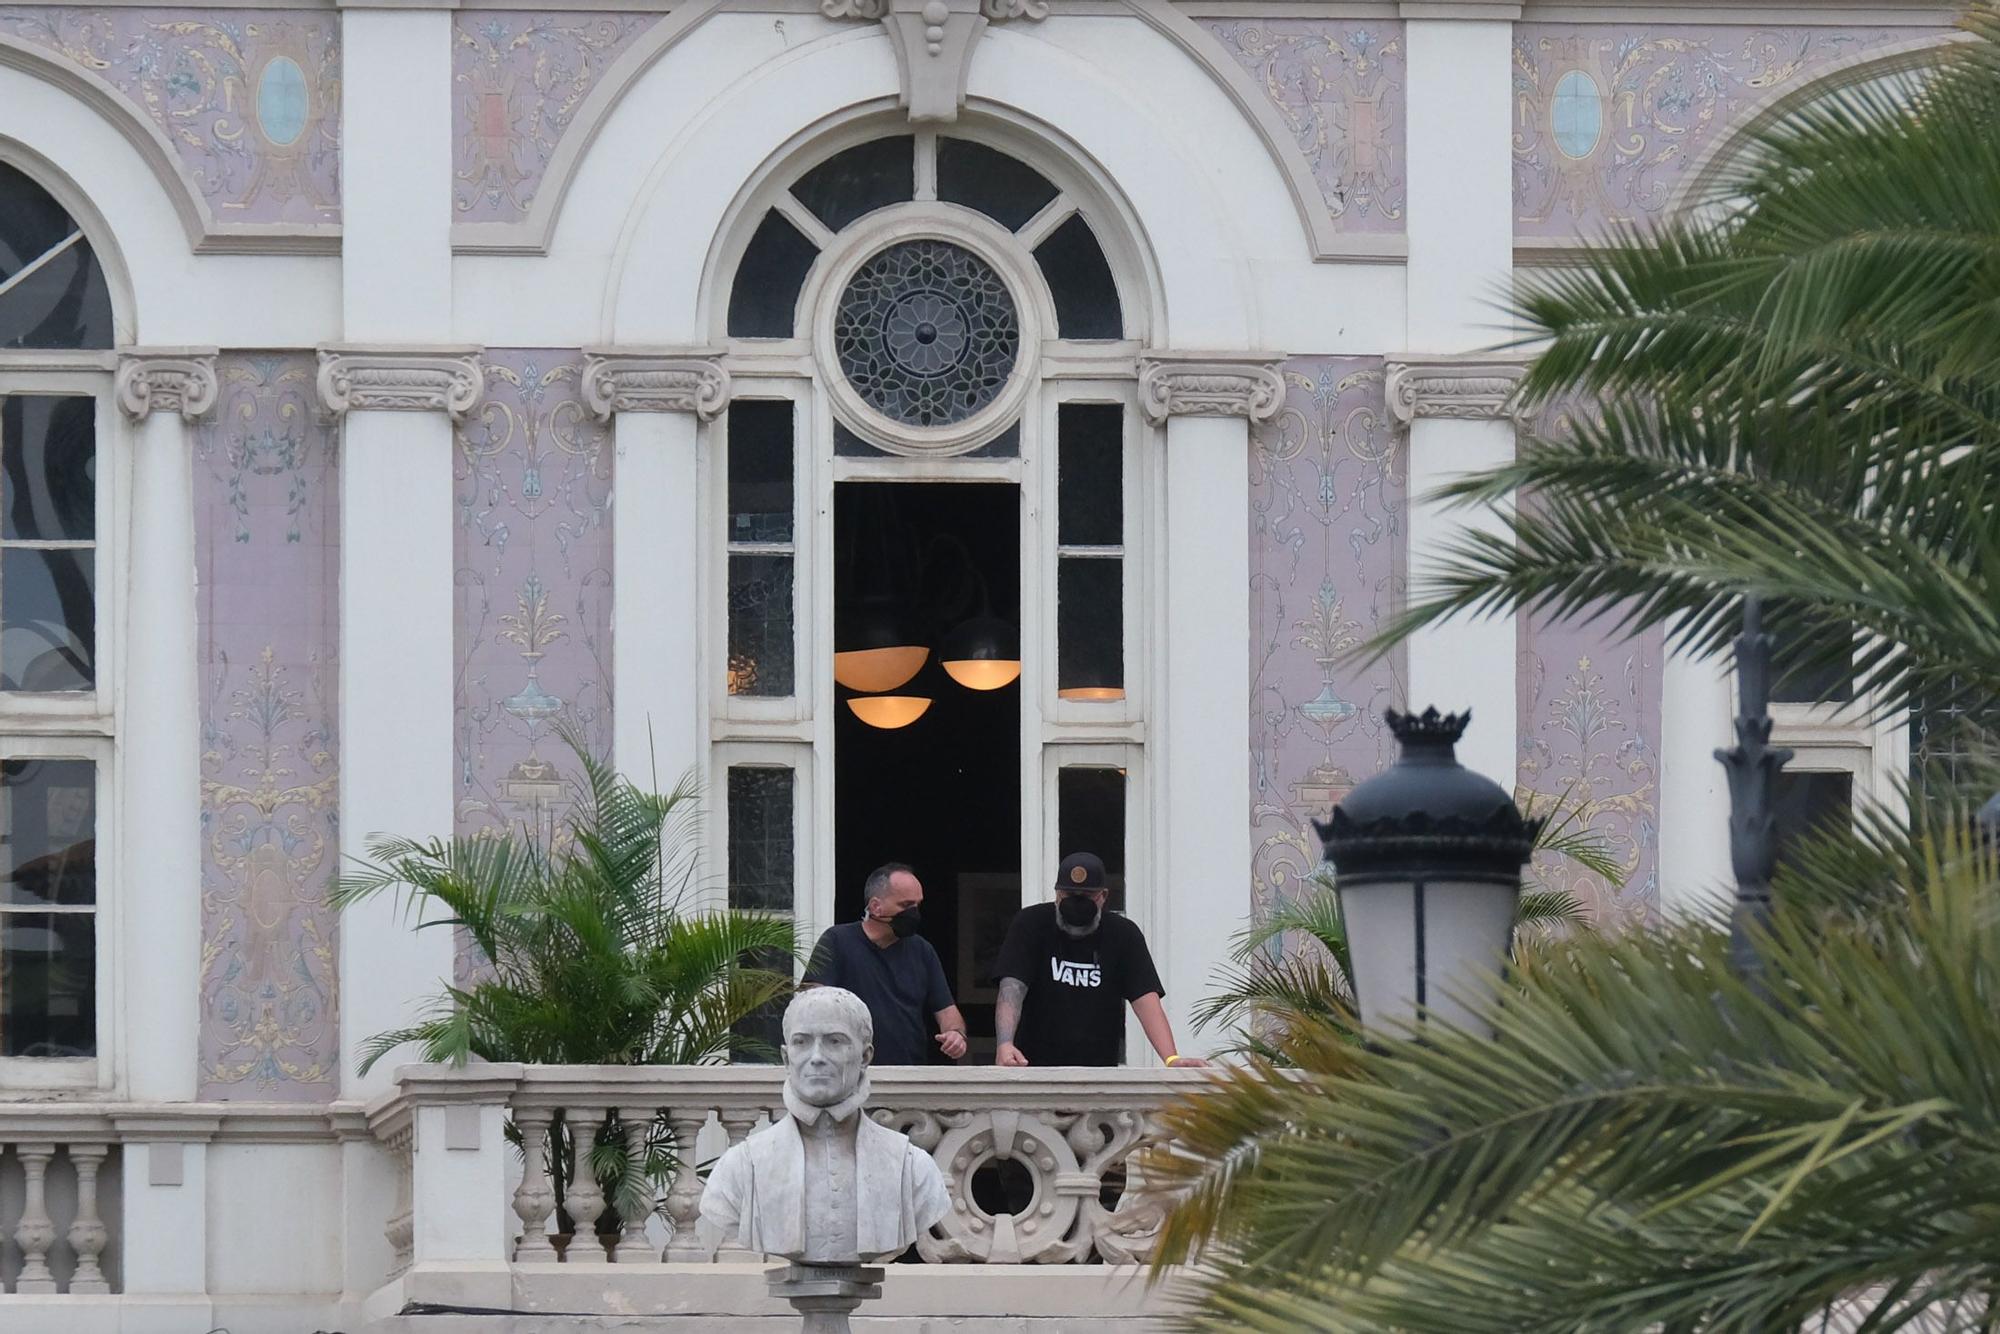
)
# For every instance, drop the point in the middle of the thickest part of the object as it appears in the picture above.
(329, 334)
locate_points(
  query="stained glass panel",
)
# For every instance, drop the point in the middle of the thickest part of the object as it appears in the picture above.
(927, 333)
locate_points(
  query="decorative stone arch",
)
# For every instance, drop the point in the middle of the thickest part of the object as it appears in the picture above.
(694, 204)
(145, 137)
(97, 230)
(1884, 61)
(534, 234)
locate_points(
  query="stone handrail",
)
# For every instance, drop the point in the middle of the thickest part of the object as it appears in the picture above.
(1075, 1194)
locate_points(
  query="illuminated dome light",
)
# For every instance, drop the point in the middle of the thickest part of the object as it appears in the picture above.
(877, 669)
(984, 673)
(1093, 694)
(889, 711)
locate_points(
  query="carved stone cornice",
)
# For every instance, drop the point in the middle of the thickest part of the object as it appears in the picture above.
(934, 41)
(692, 381)
(166, 379)
(1210, 384)
(1462, 387)
(427, 379)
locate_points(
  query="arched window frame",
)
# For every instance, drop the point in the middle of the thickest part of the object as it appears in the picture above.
(796, 731)
(81, 725)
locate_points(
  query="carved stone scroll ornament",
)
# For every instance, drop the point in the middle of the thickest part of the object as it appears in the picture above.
(689, 382)
(1463, 388)
(1210, 385)
(412, 381)
(934, 41)
(181, 380)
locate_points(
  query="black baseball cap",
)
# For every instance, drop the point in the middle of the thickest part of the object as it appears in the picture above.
(1081, 871)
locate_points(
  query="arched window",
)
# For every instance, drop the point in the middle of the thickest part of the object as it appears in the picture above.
(56, 329)
(930, 470)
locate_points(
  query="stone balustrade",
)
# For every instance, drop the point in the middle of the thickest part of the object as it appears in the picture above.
(58, 1203)
(1039, 1164)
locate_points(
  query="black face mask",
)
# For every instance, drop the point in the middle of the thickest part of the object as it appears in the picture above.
(1079, 913)
(905, 923)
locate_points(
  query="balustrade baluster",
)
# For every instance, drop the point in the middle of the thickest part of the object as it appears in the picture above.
(684, 1200)
(738, 1122)
(535, 1197)
(37, 1231)
(632, 1247)
(401, 1228)
(585, 1198)
(87, 1233)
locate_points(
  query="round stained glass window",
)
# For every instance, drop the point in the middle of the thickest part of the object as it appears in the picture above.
(927, 333)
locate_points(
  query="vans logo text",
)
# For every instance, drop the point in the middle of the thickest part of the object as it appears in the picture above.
(1076, 974)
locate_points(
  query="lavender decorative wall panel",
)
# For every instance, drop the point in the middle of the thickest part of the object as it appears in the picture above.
(533, 497)
(268, 561)
(1328, 545)
(1608, 120)
(518, 79)
(1339, 85)
(249, 98)
(1589, 735)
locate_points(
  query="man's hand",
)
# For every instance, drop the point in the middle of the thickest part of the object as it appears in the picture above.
(1183, 1062)
(1008, 1054)
(953, 1043)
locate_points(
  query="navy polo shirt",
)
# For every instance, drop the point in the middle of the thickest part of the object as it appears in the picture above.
(903, 985)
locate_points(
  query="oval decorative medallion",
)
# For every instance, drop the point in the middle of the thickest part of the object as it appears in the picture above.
(927, 333)
(283, 104)
(1576, 114)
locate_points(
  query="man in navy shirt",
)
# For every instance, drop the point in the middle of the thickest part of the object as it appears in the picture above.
(883, 960)
(1067, 971)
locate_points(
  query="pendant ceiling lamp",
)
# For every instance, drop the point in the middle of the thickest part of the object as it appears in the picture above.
(876, 644)
(983, 653)
(1092, 682)
(889, 711)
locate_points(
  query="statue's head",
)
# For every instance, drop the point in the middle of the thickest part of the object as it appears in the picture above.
(829, 1041)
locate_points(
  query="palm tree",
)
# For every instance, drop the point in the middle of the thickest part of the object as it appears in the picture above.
(590, 953)
(1791, 394)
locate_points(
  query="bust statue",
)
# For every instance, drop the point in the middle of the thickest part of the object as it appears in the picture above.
(824, 1184)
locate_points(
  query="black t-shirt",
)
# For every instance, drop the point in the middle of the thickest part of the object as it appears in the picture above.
(902, 984)
(1074, 1013)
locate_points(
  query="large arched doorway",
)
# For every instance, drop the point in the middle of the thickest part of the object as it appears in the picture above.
(930, 471)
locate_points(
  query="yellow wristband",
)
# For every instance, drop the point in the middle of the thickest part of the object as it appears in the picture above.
(1171, 1059)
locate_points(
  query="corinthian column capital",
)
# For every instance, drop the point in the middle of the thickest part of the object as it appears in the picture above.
(1210, 384)
(630, 380)
(1461, 387)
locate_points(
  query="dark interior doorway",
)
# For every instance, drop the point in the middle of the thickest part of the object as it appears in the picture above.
(944, 792)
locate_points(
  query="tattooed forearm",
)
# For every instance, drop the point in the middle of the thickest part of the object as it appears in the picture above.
(1007, 1011)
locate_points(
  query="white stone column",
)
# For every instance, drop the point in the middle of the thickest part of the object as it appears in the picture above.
(1461, 236)
(659, 722)
(162, 391)
(1199, 752)
(1696, 709)
(396, 625)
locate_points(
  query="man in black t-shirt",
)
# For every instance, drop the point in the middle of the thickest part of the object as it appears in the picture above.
(883, 960)
(1066, 972)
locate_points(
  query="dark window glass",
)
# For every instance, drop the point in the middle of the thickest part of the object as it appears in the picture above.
(48, 468)
(764, 301)
(1080, 281)
(48, 979)
(1090, 492)
(48, 830)
(859, 180)
(1805, 801)
(48, 618)
(761, 849)
(64, 301)
(760, 624)
(760, 470)
(758, 1038)
(1090, 628)
(1005, 189)
(48, 888)
(1090, 817)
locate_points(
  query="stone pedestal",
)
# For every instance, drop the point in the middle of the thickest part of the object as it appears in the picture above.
(825, 1294)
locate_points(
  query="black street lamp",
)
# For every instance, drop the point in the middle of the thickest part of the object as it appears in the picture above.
(1427, 859)
(1752, 765)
